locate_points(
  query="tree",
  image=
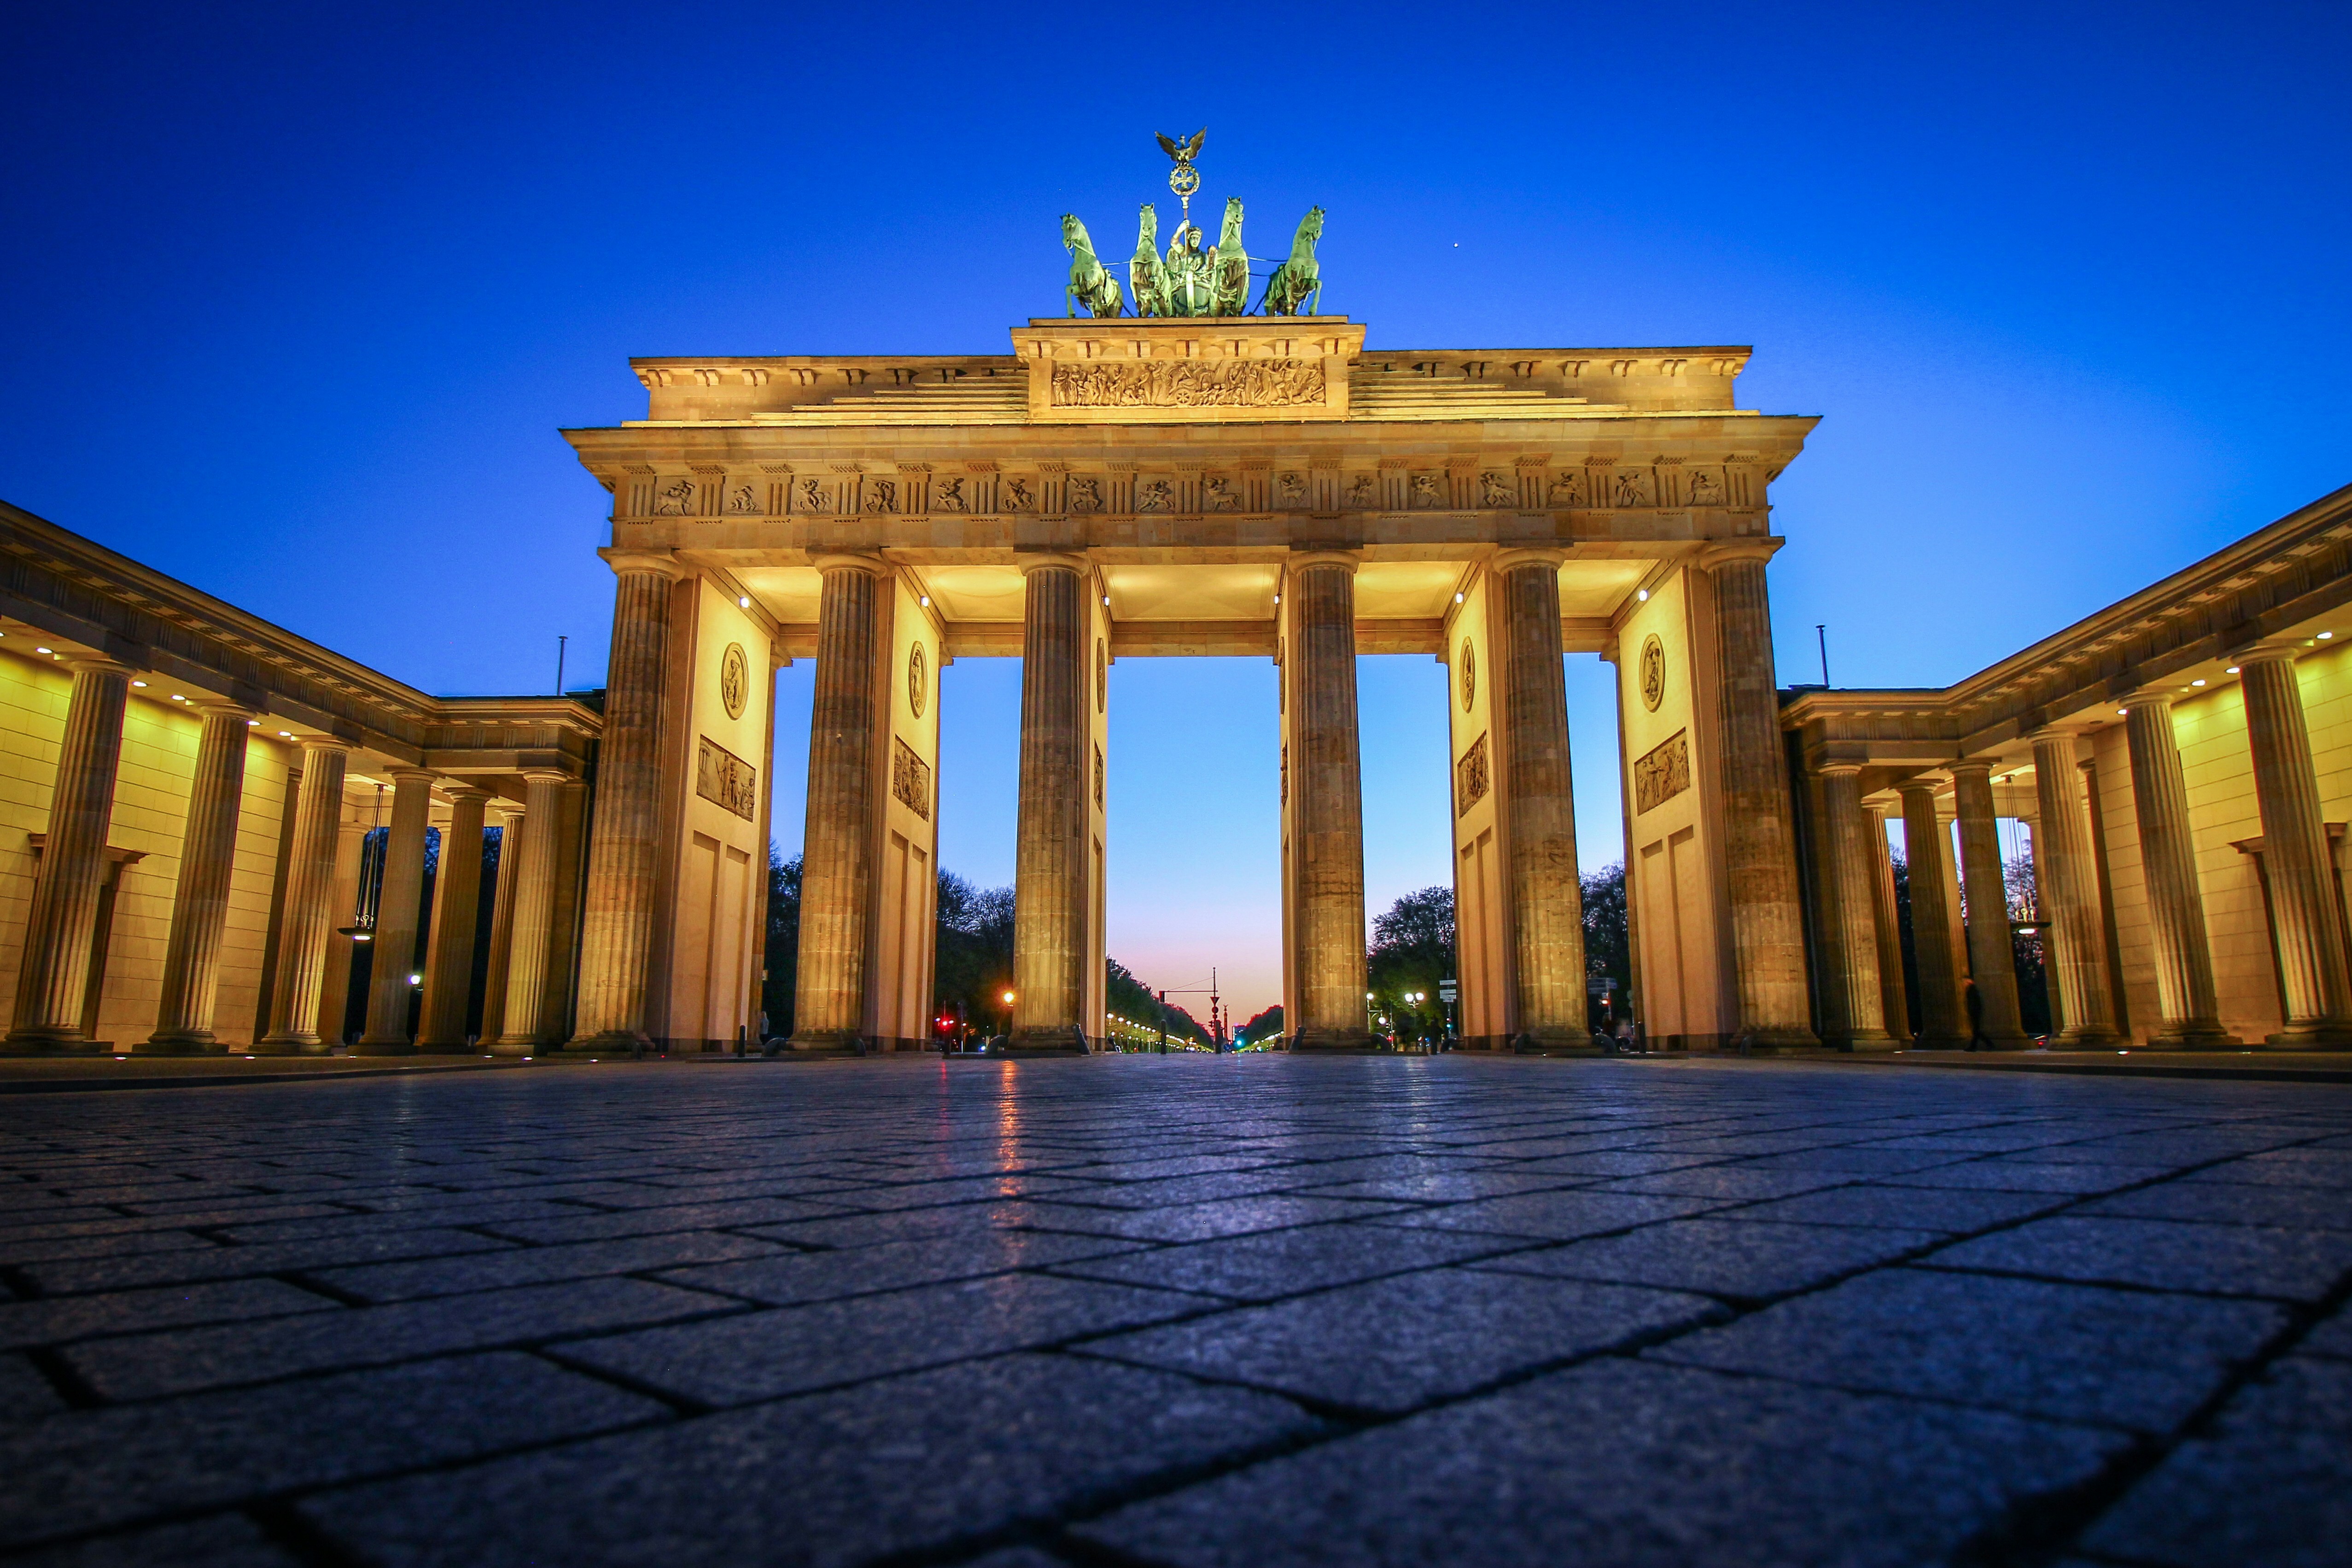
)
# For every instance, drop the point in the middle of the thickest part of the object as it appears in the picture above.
(974, 966)
(1131, 999)
(2025, 946)
(1608, 949)
(1412, 951)
(1265, 1025)
(783, 959)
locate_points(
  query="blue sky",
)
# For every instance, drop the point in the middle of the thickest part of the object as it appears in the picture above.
(294, 298)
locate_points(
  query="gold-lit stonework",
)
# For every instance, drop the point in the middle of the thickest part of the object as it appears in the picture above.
(1470, 778)
(734, 680)
(1662, 773)
(1653, 672)
(726, 780)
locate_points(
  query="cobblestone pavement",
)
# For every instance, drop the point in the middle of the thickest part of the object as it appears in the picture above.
(1181, 1310)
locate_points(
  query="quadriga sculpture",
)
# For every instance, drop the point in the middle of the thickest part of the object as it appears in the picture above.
(1297, 283)
(1091, 283)
(1147, 276)
(1232, 278)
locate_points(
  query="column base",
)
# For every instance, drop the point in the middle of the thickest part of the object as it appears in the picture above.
(607, 1042)
(290, 1045)
(2312, 1037)
(1875, 1040)
(1336, 1043)
(517, 1047)
(1765, 1039)
(2085, 1039)
(2194, 1036)
(39, 1042)
(825, 1042)
(180, 1042)
(367, 1047)
(443, 1047)
(1045, 1042)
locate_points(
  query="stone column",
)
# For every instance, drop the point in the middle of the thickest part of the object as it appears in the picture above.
(1894, 997)
(396, 912)
(1992, 951)
(1547, 895)
(2191, 1013)
(521, 1020)
(183, 1022)
(1856, 912)
(623, 846)
(54, 970)
(837, 853)
(1759, 836)
(456, 917)
(1327, 819)
(2077, 948)
(306, 922)
(1050, 893)
(2305, 925)
(494, 983)
(1943, 1022)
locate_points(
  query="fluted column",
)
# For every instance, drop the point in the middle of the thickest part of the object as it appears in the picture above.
(1328, 819)
(520, 1023)
(2190, 1010)
(1943, 1022)
(2068, 879)
(183, 1021)
(1547, 897)
(54, 971)
(623, 845)
(2306, 927)
(837, 852)
(1759, 839)
(1050, 896)
(306, 918)
(1992, 951)
(398, 911)
(1862, 1006)
(494, 980)
(1894, 997)
(457, 919)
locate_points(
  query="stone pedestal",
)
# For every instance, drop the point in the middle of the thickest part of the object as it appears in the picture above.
(1992, 951)
(2076, 949)
(2190, 1010)
(399, 903)
(306, 920)
(1943, 1022)
(1050, 892)
(1860, 1002)
(624, 841)
(837, 859)
(456, 918)
(183, 1020)
(1539, 826)
(2306, 927)
(1759, 841)
(54, 973)
(522, 1024)
(1328, 815)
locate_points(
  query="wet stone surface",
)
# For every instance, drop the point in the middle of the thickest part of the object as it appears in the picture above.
(1179, 1311)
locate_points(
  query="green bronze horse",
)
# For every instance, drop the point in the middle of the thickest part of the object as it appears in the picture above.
(1296, 281)
(1232, 276)
(1147, 274)
(1091, 284)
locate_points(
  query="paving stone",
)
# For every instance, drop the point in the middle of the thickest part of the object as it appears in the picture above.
(1392, 1344)
(797, 1277)
(666, 1217)
(1729, 1182)
(62, 1318)
(223, 1540)
(2031, 1175)
(24, 1392)
(76, 1275)
(1738, 1258)
(1203, 1221)
(2332, 1337)
(544, 1265)
(2068, 1352)
(2330, 1168)
(92, 1469)
(1552, 1215)
(1276, 1263)
(1625, 1463)
(1017, 1557)
(793, 1350)
(143, 1366)
(906, 1225)
(2166, 1255)
(1910, 1208)
(911, 1466)
(1449, 1187)
(2232, 1203)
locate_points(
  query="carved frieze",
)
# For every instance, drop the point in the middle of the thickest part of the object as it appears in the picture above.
(1085, 494)
(743, 499)
(813, 496)
(1567, 490)
(910, 779)
(1363, 493)
(1154, 496)
(1217, 495)
(946, 495)
(881, 495)
(1470, 777)
(1188, 384)
(726, 780)
(1015, 493)
(1497, 490)
(1425, 492)
(1662, 773)
(1632, 488)
(676, 499)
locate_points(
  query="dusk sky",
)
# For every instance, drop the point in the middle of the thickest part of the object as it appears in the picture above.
(294, 300)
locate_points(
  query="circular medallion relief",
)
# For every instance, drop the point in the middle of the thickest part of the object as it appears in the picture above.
(1653, 672)
(1102, 676)
(1469, 674)
(734, 680)
(918, 679)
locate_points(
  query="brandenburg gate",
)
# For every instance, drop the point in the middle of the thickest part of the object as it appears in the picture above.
(1118, 487)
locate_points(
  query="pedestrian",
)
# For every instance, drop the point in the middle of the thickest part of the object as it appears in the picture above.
(1974, 999)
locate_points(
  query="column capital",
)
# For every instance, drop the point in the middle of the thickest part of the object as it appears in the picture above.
(463, 791)
(512, 812)
(208, 706)
(402, 774)
(1301, 559)
(1051, 560)
(1528, 555)
(1838, 768)
(1720, 552)
(97, 664)
(311, 743)
(662, 563)
(2052, 734)
(1983, 765)
(2272, 650)
(848, 561)
(545, 776)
